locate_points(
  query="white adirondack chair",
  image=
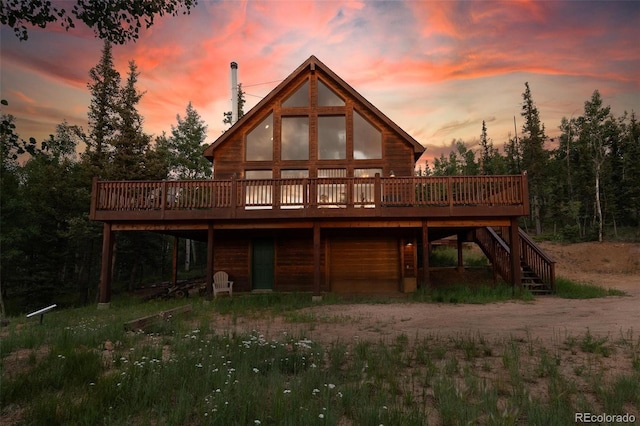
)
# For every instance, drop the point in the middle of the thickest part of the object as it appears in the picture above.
(221, 284)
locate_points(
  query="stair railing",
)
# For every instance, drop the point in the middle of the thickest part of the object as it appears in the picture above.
(539, 262)
(496, 250)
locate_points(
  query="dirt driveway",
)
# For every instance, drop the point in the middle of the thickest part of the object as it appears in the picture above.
(611, 265)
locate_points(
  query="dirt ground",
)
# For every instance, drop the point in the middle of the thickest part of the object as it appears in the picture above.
(611, 265)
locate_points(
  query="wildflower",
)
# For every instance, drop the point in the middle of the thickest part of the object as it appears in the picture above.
(315, 391)
(321, 416)
(287, 391)
(257, 422)
(340, 394)
(331, 386)
(255, 370)
(199, 365)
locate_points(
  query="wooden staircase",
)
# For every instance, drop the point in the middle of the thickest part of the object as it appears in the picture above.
(537, 268)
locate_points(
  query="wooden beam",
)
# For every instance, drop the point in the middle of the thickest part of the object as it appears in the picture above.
(316, 259)
(106, 270)
(425, 254)
(142, 323)
(459, 244)
(514, 245)
(174, 263)
(210, 259)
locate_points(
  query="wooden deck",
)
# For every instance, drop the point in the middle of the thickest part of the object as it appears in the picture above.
(310, 198)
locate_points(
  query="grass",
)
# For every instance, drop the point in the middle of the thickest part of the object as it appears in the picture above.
(570, 289)
(81, 367)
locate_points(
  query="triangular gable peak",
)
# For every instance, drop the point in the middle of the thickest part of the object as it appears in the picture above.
(345, 131)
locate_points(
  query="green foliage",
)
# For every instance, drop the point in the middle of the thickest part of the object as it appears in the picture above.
(570, 289)
(185, 145)
(113, 20)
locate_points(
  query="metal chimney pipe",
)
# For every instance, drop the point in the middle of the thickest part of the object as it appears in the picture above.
(234, 93)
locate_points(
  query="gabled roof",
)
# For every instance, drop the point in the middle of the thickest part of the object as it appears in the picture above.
(309, 65)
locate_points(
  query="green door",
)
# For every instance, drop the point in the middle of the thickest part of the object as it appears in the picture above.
(263, 264)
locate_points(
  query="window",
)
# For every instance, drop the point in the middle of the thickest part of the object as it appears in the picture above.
(292, 193)
(367, 140)
(327, 97)
(332, 138)
(259, 145)
(299, 98)
(295, 138)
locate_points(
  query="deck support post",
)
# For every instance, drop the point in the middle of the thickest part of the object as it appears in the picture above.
(174, 263)
(514, 245)
(316, 261)
(459, 245)
(210, 261)
(104, 298)
(425, 254)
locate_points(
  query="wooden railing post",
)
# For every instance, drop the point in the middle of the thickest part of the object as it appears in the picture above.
(524, 184)
(234, 195)
(377, 192)
(450, 193)
(164, 198)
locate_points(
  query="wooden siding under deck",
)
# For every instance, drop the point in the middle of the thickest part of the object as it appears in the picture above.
(448, 196)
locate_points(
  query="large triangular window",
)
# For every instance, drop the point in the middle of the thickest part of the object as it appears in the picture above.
(367, 140)
(327, 97)
(259, 145)
(299, 98)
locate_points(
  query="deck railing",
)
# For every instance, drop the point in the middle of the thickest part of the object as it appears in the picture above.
(301, 193)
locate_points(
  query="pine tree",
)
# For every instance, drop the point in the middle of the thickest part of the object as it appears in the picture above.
(185, 147)
(534, 156)
(105, 94)
(131, 143)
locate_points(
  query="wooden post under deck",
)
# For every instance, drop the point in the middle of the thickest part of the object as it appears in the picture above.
(459, 244)
(425, 254)
(210, 261)
(174, 263)
(316, 260)
(106, 271)
(514, 244)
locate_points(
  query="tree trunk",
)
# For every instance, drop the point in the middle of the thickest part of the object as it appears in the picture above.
(536, 214)
(598, 205)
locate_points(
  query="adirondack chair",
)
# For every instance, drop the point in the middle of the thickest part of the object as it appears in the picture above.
(221, 284)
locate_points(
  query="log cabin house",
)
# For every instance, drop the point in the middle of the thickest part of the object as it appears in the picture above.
(315, 190)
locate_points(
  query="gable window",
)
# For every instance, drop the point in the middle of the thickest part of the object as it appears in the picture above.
(327, 97)
(259, 144)
(332, 138)
(295, 138)
(299, 98)
(367, 140)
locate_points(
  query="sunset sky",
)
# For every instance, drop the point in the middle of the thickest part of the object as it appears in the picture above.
(436, 68)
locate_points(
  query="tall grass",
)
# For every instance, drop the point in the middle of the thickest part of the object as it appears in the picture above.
(186, 371)
(570, 289)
